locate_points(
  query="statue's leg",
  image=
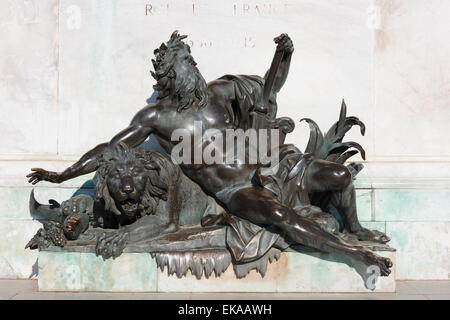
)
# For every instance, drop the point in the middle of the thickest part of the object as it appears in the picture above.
(322, 176)
(345, 202)
(259, 206)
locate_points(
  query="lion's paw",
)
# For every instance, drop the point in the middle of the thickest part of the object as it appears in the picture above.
(111, 244)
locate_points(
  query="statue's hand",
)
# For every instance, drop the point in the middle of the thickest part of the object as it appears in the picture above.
(284, 43)
(39, 174)
(111, 244)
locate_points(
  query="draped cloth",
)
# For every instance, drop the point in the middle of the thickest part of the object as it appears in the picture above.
(247, 241)
(249, 100)
(288, 183)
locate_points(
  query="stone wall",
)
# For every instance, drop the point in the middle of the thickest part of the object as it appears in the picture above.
(73, 73)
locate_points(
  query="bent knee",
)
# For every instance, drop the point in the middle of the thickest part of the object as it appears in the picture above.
(341, 177)
(328, 175)
(281, 216)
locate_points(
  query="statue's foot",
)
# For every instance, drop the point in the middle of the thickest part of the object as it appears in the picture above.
(384, 264)
(111, 244)
(372, 235)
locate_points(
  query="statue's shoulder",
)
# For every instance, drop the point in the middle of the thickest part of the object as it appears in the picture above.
(227, 84)
(242, 77)
(148, 113)
(154, 106)
(219, 84)
(221, 88)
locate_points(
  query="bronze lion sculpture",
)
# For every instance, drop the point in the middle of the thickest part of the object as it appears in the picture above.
(139, 194)
(142, 193)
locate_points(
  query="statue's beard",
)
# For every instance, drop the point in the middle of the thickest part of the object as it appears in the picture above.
(185, 83)
(165, 83)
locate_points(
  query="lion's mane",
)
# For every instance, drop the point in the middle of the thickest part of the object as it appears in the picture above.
(160, 170)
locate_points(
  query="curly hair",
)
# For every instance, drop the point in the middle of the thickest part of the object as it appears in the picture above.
(159, 168)
(190, 87)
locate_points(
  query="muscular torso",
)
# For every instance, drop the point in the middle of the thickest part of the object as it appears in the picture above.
(216, 115)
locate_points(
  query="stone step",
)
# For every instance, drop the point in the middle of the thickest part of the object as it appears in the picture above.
(138, 272)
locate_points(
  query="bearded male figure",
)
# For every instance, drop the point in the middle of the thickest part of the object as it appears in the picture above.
(229, 103)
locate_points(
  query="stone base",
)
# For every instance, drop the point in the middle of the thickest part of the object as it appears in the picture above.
(137, 272)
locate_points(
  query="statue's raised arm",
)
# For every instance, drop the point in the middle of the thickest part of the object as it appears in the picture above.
(285, 48)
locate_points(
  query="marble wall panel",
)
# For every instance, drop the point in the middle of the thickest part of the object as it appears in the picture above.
(412, 205)
(15, 261)
(412, 79)
(28, 76)
(423, 251)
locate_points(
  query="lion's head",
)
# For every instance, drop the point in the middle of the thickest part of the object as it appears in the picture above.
(131, 182)
(177, 75)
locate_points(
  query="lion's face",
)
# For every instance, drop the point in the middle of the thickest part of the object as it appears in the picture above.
(131, 182)
(126, 184)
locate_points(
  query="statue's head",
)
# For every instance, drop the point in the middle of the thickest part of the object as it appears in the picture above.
(131, 181)
(176, 73)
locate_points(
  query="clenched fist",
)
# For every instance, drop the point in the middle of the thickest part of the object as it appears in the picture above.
(284, 43)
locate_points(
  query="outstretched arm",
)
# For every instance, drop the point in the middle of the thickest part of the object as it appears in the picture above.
(136, 133)
(284, 43)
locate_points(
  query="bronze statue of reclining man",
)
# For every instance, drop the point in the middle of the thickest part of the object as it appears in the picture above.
(227, 103)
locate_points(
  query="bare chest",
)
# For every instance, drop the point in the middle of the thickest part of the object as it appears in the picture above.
(172, 124)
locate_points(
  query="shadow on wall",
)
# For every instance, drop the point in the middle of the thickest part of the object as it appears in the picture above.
(367, 273)
(151, 144)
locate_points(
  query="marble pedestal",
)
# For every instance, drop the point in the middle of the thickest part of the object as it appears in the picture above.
(137, 272)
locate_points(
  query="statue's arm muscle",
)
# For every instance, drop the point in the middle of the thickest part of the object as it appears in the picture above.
(136, 133)
(285, 44)
(139, 129)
